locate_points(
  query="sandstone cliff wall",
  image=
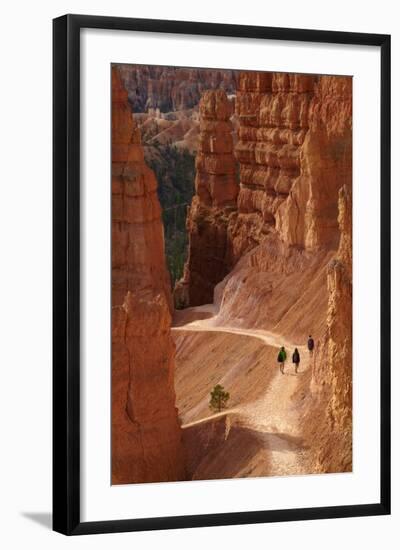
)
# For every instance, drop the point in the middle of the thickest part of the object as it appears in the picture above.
(209, 257)
(146, 435)
(331, 382)
(294, 152)
(309, 216)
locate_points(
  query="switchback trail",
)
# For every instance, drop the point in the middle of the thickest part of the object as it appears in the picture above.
(274, 416)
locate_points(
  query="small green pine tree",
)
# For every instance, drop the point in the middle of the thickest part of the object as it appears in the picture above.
(219, 398)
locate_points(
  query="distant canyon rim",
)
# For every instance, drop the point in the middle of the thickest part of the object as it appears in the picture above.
(253, 171)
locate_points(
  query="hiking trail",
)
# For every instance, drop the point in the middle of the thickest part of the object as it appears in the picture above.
(273, 417)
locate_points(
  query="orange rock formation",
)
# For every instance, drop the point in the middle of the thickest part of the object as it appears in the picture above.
(287, 244)
(331, 383)
(146, 435)
(294, 152)
(216, 191)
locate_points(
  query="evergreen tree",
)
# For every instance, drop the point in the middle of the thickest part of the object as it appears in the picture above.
(219, 398)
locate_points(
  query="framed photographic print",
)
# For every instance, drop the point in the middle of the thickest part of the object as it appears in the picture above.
(221, 274)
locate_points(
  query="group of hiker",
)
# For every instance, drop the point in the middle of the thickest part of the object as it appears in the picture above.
(282, 356)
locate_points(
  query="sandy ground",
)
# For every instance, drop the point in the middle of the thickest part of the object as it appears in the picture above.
(259, 433)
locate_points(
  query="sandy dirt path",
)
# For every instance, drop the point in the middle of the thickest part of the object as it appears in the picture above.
(274, 416)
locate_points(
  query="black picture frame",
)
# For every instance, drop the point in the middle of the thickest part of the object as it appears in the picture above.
(66, 273)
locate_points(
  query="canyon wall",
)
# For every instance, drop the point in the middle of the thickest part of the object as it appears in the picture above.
(279, 258)
(331, 383)
(146, 435)
(309, 216)
(216, 189)
(294, 152)
(272, 110)
(172, 88)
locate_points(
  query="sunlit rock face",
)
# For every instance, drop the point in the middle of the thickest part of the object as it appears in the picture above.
(294, 152)
(325, 166)
(146, 435)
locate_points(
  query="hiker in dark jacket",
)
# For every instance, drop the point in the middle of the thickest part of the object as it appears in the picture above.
(296, 359)
(281, 359)
(310, 345)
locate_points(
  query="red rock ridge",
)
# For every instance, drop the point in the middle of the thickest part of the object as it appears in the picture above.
(146, 435)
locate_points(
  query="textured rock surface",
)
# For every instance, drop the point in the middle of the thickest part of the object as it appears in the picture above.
(294, 152)
(291, 239)
(146, 436)
(309, 216)
(331, 382)
(216, 183)
(172, 88)
(339, 329)
(209, 256)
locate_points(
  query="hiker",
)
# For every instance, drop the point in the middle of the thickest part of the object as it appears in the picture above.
(310, 345)
(281, 359)
(296, 359)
